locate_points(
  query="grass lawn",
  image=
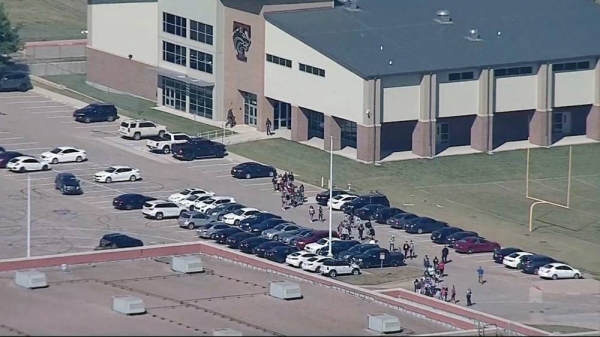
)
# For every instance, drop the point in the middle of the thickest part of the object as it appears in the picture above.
(46, 20)
(129, 106)
(478, 192)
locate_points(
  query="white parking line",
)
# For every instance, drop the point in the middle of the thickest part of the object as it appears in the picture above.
(29, 102)
(4, 132)
(10, 138)
(200, 166)
(19, 96)
(100, 202)
(70, 122)
(49, 112)
(93, 126)
(213, 171)
(42, 107)
(29, 143)
(31, 149)
(203, 160)
(257, 184)
(55, 117)
(35, 179)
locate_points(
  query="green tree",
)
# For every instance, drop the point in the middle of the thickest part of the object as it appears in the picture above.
(10, 42)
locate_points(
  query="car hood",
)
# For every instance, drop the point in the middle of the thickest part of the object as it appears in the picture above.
(48, 154)
(102, 173)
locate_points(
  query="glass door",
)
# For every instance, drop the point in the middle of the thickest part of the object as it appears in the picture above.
(561, 123)
(169, 97)
(250, 109)
(282, 115)
(443, 134)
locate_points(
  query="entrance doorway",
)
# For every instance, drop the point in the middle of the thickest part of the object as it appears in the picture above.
(442, 136)
(169, 97)
(250, 109)
(282, 117)
(561, 123)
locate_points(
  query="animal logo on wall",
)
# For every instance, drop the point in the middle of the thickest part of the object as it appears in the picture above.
(241, 40)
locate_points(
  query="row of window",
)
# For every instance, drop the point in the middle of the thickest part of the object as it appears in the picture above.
(177, 54)
(177, 25)
(279, 60)
(518, 71)
(464, 76)
(312, 70)
(513, 71)
(177, 93)
(571, 66)
(288, 63)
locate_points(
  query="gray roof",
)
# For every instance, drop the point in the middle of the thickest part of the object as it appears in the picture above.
(255, 6)
(531, 31)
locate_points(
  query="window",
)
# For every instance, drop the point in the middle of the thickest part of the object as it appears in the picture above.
(174, 53)
(201, 101)
(201, 32)
(281, 61)
(201, 61)
(571, 66)
(311, 70)
(174, 24)
(464, 76)
(147, 125)
(316, 124)
(174, 93)
(517, 71)
(348, 133)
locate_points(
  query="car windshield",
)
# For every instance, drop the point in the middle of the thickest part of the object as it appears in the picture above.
(209, 201)
(514, 255)
(548, 266)
(279, 227)
(192, 197)
(239, 212)
(56, 151)
(338, 197)
(322, 241)
(312, 259)
(110, 170)
(14, 160)
(70, 179)
(185, 192)
(125, 124)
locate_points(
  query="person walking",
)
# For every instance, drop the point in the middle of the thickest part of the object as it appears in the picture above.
(445, 293)
(469, 294)
(275, 184)
(426, 262)
(436, 263)
(405, 248)
(392, 242)
(321, 214)
(301, 191)
(445, 254)
(361, 231)
(480, 275)
(268, 125)
(411, 246)
(345, 235)
(416, 284)
(441, 267)
(311, 213)
(230, 119)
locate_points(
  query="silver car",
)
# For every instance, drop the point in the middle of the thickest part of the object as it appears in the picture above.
(193, 220)
(210, 229)
(275, 232)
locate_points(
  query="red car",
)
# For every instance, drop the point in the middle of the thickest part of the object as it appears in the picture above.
(475, 245)
(314, 237)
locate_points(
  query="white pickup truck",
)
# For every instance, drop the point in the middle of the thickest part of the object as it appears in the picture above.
(165, 142)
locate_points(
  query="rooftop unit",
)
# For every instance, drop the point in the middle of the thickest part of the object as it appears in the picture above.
(129, 305)
(187, 264)
(473, 36)
(226, 332)
(285, 290)
(384, 323)
(31, 279)
(443, 16)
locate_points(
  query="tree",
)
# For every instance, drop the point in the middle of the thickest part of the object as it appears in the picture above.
(10, 42)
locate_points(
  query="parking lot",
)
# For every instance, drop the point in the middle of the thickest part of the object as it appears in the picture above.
(32, 124)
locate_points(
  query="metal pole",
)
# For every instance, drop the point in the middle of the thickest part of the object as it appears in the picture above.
(531, 213)
(330, 253)
(569, 176)
(527, 176)
(28, 215)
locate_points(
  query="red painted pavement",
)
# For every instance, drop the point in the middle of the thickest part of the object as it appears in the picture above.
(81, 42)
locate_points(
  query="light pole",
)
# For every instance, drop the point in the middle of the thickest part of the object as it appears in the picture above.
(330, 253)
(28, 215)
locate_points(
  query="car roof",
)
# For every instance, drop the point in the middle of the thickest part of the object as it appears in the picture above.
(246, 209)
(65, 174)
(65, 147)
(120, 166)
(24, 157)
(159, 201)
(220, 198)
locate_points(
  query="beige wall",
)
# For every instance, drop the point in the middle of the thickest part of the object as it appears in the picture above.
(516, 93)
(401, 98)
(457, 98)
(574, 88)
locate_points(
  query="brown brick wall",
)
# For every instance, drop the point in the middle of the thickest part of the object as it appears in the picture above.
(368, 143)
(299, 124)
(481, 133)
(593, 123)
(540, 128)
(424, 139)
(332, 128)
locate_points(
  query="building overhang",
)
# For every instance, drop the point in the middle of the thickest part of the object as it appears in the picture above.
(179, 76)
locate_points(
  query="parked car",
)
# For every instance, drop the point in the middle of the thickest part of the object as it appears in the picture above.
(423, 225)
(475, 245)
(131, 201)
(138, 129)
(234, 240)
(279, 254)
(322, 198)
(558, 270)
(212, 202)
(207, 231)
(220, 211)
(337, 247)
(273, 233)
(164, 143)
(2, 150)
(247, 246)
(441, 235)
(250, 170)
(515, 260)
(452, 238)
(398, 221)
(356, 250)
(534, 263)
(293, 241)
(236, 217)
(193, 219)
(5, 157)
(259, 227)
(372, 258)
(298, 258)
(118, 173)
(383, 214)
(199, 150)
(314, 264)
(16, 80)
(118, 240)
(261, 249)
(364, 200)
(96, 112)
(333, 268)
(189, 191)
(367, 212)
(339, 200)
(68, 184)
(258, 218)
(64, 154)
(160, 209)
(27, 164)
(193, 200)
(313, 237)
(315, 247)
(287, 236)
(499, 254)
(221, 236)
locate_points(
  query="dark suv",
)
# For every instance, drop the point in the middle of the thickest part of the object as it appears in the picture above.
(199, 149)
(67, 183)
(15, 81)
(96, 112)
(364, 200)
(118, 240)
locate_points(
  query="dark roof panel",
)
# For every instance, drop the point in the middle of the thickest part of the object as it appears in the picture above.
(255, 6)
(532, 30)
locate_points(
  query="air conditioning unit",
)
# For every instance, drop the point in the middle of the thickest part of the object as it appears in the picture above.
(285, 290)
(187, 264)
(31, 279)
(129, 305)
(384, 323)
(226, 332)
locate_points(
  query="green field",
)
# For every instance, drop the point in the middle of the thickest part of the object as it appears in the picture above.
(481, 192)
(47, 20)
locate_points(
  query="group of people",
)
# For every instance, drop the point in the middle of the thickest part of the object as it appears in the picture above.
(430, 287)
(291, 195)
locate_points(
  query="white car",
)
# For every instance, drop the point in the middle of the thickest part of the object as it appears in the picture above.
(212, 202)
(314, 263)
(241, 214)
(334, 268)
(558, 270)
(118, 173)
(338, 201)
(160, 209)
(316, 246)
(191, 200)
(27, 164)
(64, 154)
(297, 259)
(514, 260)
(185, 193)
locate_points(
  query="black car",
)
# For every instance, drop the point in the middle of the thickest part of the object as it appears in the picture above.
(364, 200)
(499, 255)
(67, 183)
(5, 157)
(278, 254)
(261, 249)
(356, 250)
(323, 197)
(383, 214)
(398, 221)
(221, 236)
(268, 224)
(193, 141)
(452, 238)
(118, 240)
(16, 80)
(247, 246)
(199, 150)
(224, 209)
(131, 201)
(96, 112)
(2, 150)
(424, 225)
(250, 170)
(535, 262)
(367, 212)
(338, 247)
(258, 218)
(440, 236)
(234, 240)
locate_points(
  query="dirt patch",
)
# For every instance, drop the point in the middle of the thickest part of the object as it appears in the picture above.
(384, 276)
(560, 328)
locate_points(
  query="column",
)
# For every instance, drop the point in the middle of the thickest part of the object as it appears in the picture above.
(299, 124)
(482, 129)
(540, 125)
(593, 118)
(424, 135)
(332, 128)
(265, 110)
(368, 135)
